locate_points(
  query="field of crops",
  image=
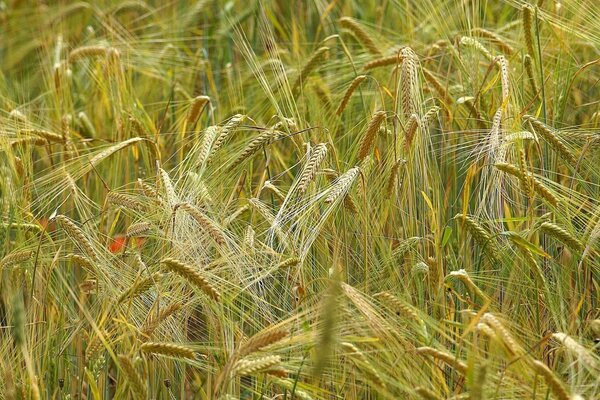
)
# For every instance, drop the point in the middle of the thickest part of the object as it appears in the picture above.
(273, 199)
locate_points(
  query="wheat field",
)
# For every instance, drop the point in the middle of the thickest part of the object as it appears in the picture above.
(272, 199)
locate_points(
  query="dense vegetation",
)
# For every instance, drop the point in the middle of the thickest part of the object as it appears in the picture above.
(300, 200)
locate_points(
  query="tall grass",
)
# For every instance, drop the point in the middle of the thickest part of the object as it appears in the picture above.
(299, 200)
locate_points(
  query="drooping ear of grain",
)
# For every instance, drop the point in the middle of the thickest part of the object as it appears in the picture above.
(255, 145)
(204, 221)
(252, 366)
(438, 86)
(562, 235)
(348, 94)
(313, 62)
(15, 258)
(409, 81)
(192, 275)
(395, 59)
(538, 187)
(312, 166)
(370, 133)
(197, 106)
(77, 235)
(495, 39)
(153, 321)
(449, 359)
(363, 363)
(480, 234)
(475, 44)
(555, 384)
(527, 15)
(557, 144)
(138, 387)
(261, 340)
(168, 349)
(342, 185)
(363, 37)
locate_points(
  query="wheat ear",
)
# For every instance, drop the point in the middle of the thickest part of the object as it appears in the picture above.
(198, 105)
(557, 144)
(168, 349)
(562, 235)
(77, 235)
(527, 15)
(138, 288)
(361, 361)
(557, 387)
(208, 224)
(342, 185)
(395, 59)
(445, 357)
(15, 258)
(314, 61)
(137, 384)
(370, 134)
(348, 94)
(192, 276)
(363, 37)
(495, 39)
(49, 136)
(252, 366)
(576, 349)
(312, 166)
(261, 340)
(537, 185)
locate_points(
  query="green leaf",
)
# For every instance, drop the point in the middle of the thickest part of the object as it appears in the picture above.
(446, 235)
(524, 243)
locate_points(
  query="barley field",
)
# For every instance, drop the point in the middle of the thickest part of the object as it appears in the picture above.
(273, 199)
